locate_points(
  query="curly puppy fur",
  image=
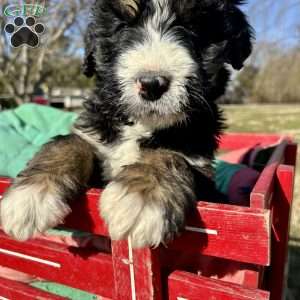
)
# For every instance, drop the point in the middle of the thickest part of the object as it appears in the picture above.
(151, 127)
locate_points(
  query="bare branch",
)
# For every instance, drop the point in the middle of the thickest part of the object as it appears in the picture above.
(24, 68)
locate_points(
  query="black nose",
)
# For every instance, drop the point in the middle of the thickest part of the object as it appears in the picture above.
(153, 87)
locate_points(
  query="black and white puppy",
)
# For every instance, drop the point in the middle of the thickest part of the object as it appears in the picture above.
(151, 126)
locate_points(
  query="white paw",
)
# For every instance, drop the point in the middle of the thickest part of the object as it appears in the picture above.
(27, 210)
(130, 215)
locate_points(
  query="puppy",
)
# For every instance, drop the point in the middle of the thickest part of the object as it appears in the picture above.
(151, 126)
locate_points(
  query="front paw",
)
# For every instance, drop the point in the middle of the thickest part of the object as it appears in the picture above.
(28, 209)
(148, 218)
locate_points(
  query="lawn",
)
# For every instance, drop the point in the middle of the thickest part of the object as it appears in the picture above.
(283, 119)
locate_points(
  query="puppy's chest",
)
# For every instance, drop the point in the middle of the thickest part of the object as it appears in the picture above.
(125, 151)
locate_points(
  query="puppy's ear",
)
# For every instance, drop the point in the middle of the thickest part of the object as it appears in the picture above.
(129, 9)
(89, 64)
(239, 35)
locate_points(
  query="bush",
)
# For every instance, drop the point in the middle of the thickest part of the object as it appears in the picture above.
(279, 80)
(241, 87)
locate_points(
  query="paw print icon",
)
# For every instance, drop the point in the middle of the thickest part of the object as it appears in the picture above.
(24, 32)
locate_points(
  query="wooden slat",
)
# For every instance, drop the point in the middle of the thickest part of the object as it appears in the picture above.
(147, 274)
(241, 232)
(79, 268)
(253, 279)
(234, 141)
(231, 232)
(4, 184)
(261, 195)
(12, 290)
(86, 207)
(291, 154)
(123, 281)
(185, 286)
(247, 275)
(281, 207)
(136, 273)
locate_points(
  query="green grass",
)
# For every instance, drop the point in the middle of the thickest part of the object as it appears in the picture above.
(264, 118)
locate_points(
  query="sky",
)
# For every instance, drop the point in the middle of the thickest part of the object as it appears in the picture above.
(275, 20)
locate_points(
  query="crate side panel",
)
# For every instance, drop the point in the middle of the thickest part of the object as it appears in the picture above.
(83, 269)
(185, 286)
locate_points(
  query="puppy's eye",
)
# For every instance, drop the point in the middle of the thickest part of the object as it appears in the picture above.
(130, 8)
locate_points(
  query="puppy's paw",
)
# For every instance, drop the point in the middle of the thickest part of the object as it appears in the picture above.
(131, 214)
(148, 201)
(120, 209)
(28, 209)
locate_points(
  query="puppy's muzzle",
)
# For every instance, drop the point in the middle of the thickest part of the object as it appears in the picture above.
(152, 87)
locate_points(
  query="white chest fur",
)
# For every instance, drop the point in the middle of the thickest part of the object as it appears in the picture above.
(124, 151)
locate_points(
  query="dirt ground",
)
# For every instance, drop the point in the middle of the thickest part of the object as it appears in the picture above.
(277, 119)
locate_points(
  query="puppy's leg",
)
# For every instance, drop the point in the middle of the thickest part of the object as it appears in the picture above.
(148, 201)
(37, 200)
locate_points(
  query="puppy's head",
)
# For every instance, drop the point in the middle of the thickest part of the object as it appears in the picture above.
(164, 57)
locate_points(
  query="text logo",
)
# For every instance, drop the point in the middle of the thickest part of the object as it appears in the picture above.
(23, 10)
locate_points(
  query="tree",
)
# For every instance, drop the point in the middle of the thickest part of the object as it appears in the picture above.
(66, 72)
(278, 80)
(271, 73)
(23, 69)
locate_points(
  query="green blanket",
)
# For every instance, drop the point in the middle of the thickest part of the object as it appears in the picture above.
(24, 130)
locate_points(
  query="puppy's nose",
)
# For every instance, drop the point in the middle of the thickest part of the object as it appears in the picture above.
(153, 87)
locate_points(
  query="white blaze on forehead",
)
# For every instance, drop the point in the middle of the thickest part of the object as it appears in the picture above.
(158, 50)
(162, 14)
(159, 54)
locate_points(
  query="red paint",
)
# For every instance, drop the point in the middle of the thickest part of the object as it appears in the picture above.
(191, 287)
(244, 274)
(262, 193)
(121, 267)
(4, 184)
(80, 268)
(87, 209)
(235, 141)
(236, 255)
(13, 290)
(243, 234)
(147, 270)
(137, 272)
(291, 154)
(281, 208)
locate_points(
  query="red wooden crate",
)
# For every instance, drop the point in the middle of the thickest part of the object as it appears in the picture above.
(226, 252)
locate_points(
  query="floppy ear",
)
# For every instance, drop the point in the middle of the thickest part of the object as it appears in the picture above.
(239, 35)
(89, 64)
(129, 9)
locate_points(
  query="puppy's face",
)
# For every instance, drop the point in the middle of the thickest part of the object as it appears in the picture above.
(165, 57)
